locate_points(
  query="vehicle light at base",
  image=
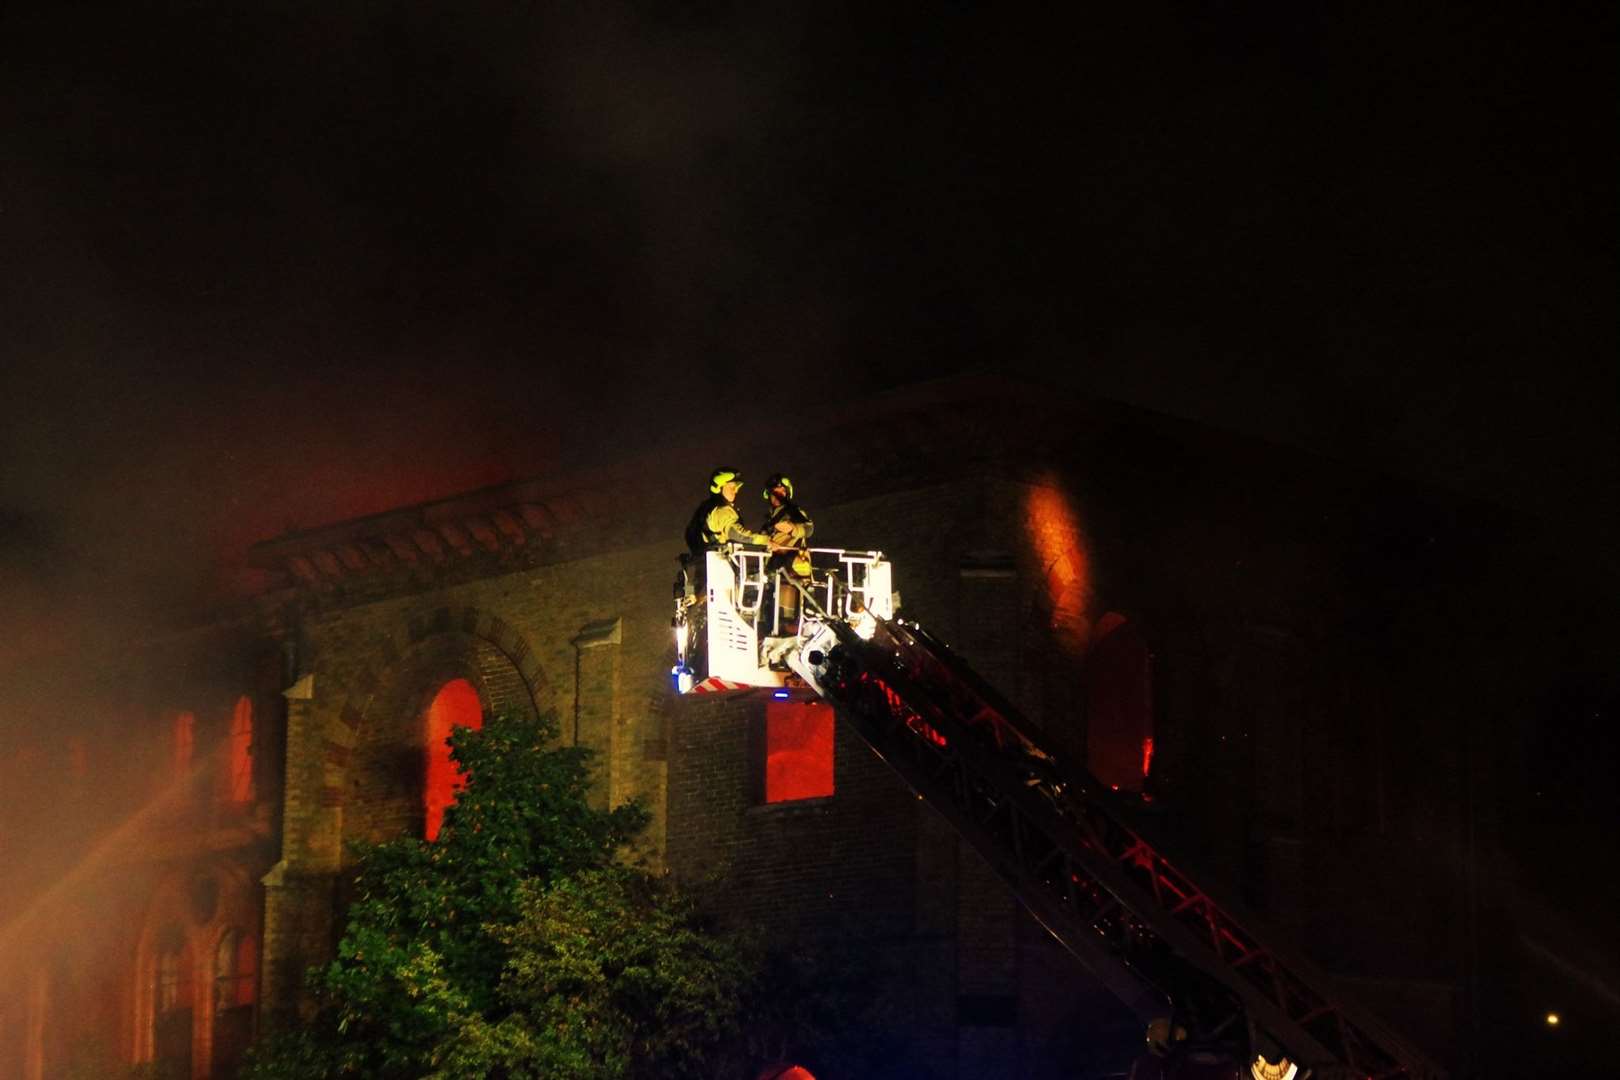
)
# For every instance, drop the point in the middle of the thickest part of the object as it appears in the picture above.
(1265, 1070)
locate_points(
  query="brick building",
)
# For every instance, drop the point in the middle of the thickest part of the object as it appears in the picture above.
(1253, 638)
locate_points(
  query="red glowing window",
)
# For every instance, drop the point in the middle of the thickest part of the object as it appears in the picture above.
(798, 751)
(455, 705)
(236, 968)
(185, 735)
(239, 764)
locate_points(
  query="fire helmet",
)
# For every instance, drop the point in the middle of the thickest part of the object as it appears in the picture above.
(723, 476)
(777, 480)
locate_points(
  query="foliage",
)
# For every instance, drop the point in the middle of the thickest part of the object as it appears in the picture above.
(423, 953)
(610, 975)
(516, 945)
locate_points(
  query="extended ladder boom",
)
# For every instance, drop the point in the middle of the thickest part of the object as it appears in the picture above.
(1064, 844)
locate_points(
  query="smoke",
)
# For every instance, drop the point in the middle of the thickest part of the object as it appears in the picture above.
(269, 270)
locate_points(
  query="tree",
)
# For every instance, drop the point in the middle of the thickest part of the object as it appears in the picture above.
(515, 945)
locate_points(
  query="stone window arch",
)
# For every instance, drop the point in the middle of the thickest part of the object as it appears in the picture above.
(383, 728)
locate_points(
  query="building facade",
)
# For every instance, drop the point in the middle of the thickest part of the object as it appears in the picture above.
(1231, 632)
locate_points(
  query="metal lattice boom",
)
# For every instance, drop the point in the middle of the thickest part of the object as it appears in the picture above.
(1063, 842)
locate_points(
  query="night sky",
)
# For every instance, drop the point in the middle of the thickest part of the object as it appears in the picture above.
(267, 266)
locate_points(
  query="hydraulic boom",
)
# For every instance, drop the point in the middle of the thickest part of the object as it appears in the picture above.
(1064, 844)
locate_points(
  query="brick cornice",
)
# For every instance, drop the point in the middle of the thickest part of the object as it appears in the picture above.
(952, 429)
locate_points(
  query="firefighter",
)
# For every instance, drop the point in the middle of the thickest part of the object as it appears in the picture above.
(713, 523)
(789, 529)
(716, 520)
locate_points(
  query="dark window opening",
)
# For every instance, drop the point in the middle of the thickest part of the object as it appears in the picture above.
(1119, 706)
(235, 988)
(171, 1020)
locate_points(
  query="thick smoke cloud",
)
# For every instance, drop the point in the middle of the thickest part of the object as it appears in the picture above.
(266, 268)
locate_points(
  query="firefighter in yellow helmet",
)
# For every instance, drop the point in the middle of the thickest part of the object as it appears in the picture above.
(789, 529)
(716, 520)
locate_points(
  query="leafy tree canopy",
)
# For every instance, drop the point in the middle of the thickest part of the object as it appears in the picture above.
(514, 944)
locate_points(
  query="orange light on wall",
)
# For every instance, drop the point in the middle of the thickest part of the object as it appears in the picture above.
(239, 763)
(1054, 531)
(798, 751)
(455, 705)
(1147, 756)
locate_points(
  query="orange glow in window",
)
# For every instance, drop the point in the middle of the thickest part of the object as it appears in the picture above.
(240, 763)
(798, 751)
(455, 705)
(1054, 531)
(1147, 755)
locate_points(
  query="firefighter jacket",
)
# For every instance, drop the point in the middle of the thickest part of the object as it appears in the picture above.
(787, 523)
(714, 522)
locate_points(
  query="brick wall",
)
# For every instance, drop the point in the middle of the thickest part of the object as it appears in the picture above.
(1210, 551)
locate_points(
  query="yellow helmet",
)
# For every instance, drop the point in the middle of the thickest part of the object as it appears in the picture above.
(777, 480)
(721, 477)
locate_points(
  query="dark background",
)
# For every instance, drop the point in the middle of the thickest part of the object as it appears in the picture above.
(268, 266)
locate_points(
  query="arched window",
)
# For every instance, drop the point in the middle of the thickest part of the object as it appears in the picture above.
(239, 761)
(171, 1017)
(236, 969)
(455, 705)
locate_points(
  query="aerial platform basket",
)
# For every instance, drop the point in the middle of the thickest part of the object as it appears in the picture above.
(739, 620)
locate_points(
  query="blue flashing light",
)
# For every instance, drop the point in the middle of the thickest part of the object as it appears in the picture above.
(779, 694)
